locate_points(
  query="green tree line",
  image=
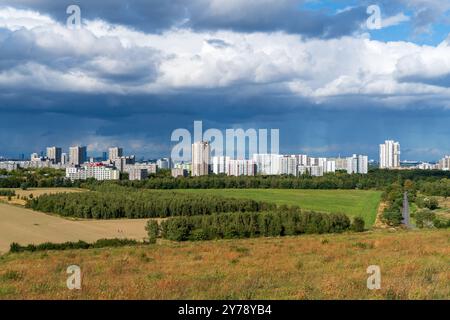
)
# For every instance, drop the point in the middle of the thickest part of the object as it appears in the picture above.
(284, 222)
(130, 203)
(375, 179)
(432, 182)
(101, 243)
(35, 178)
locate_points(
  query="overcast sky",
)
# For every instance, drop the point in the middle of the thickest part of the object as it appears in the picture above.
(137, 70)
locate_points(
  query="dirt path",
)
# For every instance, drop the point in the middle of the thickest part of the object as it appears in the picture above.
(378, 221)
(27, 226)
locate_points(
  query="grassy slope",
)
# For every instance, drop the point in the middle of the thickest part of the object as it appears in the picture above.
(352, 202)
(414, 265)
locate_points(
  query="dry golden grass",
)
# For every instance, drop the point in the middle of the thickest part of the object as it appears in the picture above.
(36, 192)
(444, 205)
(414, 265)
(25, 226)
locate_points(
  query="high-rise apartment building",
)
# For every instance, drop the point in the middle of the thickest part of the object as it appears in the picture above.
(64, 158)
(268, 164)
(357, 164)
(114, 153)
(201, 153)
(77, 155)
(220, 164)
(54, 154)
(289, 165)
(444, 163)
(389, 155)
(241, 168)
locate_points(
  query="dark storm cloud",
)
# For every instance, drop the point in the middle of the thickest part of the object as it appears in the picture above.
(249, 15)
(246, 15)
(341, 127)
(440, 80)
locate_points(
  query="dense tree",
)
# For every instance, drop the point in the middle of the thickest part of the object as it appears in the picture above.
(280, 222)
(357, 224)
(411, 180)
(110, 202)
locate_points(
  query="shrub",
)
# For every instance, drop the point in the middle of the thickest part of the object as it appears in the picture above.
(393, 218)
(7, 193)
(102, 243)
(153, 230)
(425, 218)
(358, 224)
(427, 202)
(198, 235)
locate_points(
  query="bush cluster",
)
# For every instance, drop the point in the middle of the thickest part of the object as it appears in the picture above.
(102, 243)
(426, 218)
(7, 193)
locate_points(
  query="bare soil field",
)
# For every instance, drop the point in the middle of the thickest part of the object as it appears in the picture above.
(26, 226)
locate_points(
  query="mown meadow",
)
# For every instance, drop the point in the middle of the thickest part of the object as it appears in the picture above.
(363, 203)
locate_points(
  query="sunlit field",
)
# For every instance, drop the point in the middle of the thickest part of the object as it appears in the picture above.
(351, 202)
(414, 265)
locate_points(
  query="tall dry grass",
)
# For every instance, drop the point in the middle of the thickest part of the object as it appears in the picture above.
(414, 265)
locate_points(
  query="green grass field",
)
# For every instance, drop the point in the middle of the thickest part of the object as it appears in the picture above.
(351, 202)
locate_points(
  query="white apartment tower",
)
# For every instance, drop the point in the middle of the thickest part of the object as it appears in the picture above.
(444, 163)
(357, 164)
(77, 155)
(114, 153)
(389, 155)
(201, 152)
(54, 154)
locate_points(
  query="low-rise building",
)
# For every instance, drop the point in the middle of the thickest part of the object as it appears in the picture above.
(98, 171)
(9, 165)
(179, 172)
(150, 167)
(137, 173)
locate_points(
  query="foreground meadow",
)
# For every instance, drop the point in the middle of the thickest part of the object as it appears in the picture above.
(414, 265)
(354, 203)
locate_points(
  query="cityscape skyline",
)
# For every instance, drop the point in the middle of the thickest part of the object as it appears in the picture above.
(114, 163)
(373, 157)
(389, 156)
